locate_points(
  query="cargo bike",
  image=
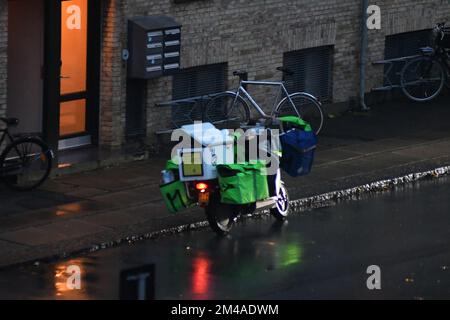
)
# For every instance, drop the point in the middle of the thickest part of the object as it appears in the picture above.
(228, 181)
(219, 176)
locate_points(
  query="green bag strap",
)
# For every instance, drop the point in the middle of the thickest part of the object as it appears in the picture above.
(242, 167)
(297, 121)
(234, 167)
(172, 164)
(258, 166)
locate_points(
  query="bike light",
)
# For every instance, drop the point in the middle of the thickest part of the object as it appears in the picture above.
(201, 186)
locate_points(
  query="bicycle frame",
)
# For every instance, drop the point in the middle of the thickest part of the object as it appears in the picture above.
(442, 56)
(5, 134)
(282, 90)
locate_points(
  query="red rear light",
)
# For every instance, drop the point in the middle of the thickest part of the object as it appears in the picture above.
(201, 186)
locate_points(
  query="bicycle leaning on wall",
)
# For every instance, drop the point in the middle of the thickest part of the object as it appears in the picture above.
(25, 161)
(423, 78)
(231, 108)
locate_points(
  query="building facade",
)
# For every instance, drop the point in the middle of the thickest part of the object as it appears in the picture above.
(63, 68)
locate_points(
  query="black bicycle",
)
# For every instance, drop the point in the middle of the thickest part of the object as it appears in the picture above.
(424, 78)
(25, 161)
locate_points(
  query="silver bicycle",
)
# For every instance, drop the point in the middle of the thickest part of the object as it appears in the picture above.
(231, 108)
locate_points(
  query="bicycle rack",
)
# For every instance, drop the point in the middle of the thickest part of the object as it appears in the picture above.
(186, 111)
(391, 63)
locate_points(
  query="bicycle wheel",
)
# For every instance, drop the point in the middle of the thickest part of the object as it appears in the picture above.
(225, 111)
(25, 163)
(422, 79)
(305, 106)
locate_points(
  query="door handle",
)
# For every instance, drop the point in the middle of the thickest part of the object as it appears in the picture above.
(64, 77)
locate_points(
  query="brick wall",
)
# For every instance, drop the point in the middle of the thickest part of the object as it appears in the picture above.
(113, 74)
(3, 55)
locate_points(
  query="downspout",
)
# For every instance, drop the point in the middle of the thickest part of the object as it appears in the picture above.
(363, 57)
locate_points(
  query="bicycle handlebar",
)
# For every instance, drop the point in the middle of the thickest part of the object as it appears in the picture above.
(286, 71)
(239, 73)
(440, 27)
(10, 121)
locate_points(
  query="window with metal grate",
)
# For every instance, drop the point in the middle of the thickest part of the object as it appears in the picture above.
(196, 82)
(312, 71)
(402, 45)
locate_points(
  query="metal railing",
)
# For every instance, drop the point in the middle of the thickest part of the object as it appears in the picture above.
(390, 65)
(185, 111)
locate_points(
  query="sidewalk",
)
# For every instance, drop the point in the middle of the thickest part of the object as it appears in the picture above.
(76, 212)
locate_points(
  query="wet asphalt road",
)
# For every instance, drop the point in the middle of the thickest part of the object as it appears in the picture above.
(323, 253)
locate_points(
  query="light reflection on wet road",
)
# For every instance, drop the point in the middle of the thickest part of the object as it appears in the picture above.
(323, 253)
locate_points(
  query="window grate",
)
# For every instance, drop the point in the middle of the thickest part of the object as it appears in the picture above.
(312, 71)
(403, 45)
(195, 82)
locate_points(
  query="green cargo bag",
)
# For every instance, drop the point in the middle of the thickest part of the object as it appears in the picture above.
(242, 183)
(175, 196)
(174, 193)
(261, 186)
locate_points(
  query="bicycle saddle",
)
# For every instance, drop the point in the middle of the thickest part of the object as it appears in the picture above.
(286, 71)
(10, 121)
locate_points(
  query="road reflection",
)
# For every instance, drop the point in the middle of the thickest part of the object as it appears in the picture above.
(201, 277)
(231, 261)
(66, 277)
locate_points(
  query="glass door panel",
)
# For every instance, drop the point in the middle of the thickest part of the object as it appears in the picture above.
(72, 117)
(74, 31)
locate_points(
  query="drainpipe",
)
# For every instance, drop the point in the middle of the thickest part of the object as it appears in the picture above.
(363, 57)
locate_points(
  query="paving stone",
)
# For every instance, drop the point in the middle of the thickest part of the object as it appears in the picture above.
(336, 154)
(85, 192)
(32, 236)
(384, 145)
(85, 206)
(7, 247)
(133, 196)
(110, 219)
(426, 151)
(73, 228)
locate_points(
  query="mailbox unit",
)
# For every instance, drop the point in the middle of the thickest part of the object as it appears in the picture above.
(154, 46)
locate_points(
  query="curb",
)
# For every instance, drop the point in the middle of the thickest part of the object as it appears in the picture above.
(374, 187)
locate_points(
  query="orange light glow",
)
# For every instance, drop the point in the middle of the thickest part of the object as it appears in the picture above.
(72, 117)
(61, 290)
(201, 186)
(60, 213)
(64, 165)
(73, 45)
